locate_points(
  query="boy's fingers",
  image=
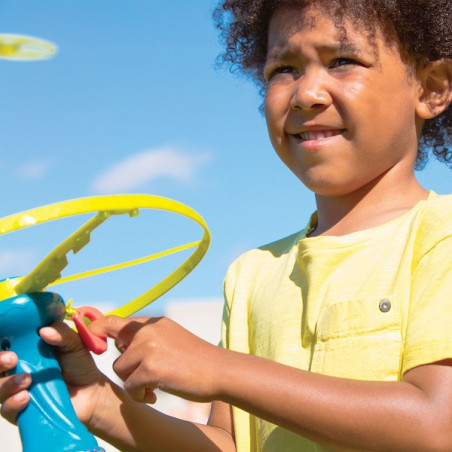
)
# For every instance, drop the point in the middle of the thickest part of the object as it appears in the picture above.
(8, 361)
(113, 326)
(13, 394)
(61, 336)
(150, 396)
(13, 385)
(140, 392)
(109, 326)
(14, 405)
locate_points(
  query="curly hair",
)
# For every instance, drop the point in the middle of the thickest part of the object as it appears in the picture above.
(422, 30)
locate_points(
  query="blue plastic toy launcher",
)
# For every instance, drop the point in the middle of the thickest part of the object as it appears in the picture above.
(25, 307)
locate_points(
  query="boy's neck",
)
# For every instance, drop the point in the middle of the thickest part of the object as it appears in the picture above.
(370, 206)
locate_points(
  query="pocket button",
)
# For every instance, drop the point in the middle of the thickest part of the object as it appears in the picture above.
(385, 305)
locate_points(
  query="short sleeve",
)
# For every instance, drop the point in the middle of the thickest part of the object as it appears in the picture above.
(429, 328)
(234, 334)
(228, 291)
(224, 343)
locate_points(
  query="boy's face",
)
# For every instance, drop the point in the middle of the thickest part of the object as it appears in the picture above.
(340, 112)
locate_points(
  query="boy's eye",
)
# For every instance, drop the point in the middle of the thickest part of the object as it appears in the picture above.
(338, 62)
(279, 70)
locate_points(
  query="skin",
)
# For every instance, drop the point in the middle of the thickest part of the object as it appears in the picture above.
(368, 162)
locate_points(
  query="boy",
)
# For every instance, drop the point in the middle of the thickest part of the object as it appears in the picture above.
(338, 337)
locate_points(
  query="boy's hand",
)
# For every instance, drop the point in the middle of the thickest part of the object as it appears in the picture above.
(14, 396)
(79, 370)
(159, 353)
(83, 379)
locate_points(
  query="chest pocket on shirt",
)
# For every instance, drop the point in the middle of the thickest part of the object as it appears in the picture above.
(359, 339)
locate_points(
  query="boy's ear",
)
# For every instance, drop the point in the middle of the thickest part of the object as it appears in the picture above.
(436, 88)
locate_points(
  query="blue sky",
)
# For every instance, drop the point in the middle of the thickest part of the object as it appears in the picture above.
(132, 103)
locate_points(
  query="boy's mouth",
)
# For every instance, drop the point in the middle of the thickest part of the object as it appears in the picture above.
(318, 134)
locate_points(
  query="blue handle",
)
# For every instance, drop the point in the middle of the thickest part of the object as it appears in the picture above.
(49, 421)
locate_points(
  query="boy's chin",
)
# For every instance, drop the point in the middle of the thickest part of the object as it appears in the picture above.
(333, 189)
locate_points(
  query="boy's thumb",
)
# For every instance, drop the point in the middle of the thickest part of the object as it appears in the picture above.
(62, 336)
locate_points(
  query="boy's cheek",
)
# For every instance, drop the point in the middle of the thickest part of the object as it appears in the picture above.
(278, 144)
(275, 132)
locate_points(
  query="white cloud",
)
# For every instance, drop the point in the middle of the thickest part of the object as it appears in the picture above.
(16, 262)
(147, 166)
(33, 170)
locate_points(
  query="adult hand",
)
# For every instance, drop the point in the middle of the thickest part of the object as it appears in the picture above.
(159, 353)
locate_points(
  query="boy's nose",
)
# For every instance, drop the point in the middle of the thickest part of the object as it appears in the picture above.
(310, 92)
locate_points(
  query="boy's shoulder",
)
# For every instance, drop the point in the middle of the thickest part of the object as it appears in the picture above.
(432, 225)
(443, 202)
(436, 215)
(259, 259)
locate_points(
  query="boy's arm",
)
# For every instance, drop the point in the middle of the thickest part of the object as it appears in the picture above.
(343, 414)
(412, 415)
(138, 427)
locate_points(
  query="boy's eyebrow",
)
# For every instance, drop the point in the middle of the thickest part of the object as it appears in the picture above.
(280, 53)
(345, 47)
(284, 52)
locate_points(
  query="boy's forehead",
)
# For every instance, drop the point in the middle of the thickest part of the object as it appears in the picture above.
(307, 12)
(285, 23)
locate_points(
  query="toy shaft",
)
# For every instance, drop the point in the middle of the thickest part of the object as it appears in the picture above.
(49, 421)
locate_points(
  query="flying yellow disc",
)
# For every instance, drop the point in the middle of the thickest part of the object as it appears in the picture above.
(25, 48)
(48, 271)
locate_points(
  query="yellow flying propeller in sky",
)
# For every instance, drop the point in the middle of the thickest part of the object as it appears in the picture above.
(25, 48)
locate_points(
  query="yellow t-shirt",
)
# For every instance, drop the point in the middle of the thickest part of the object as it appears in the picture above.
(368, 305)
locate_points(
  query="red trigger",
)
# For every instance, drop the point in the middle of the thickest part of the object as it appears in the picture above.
(94, 343)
